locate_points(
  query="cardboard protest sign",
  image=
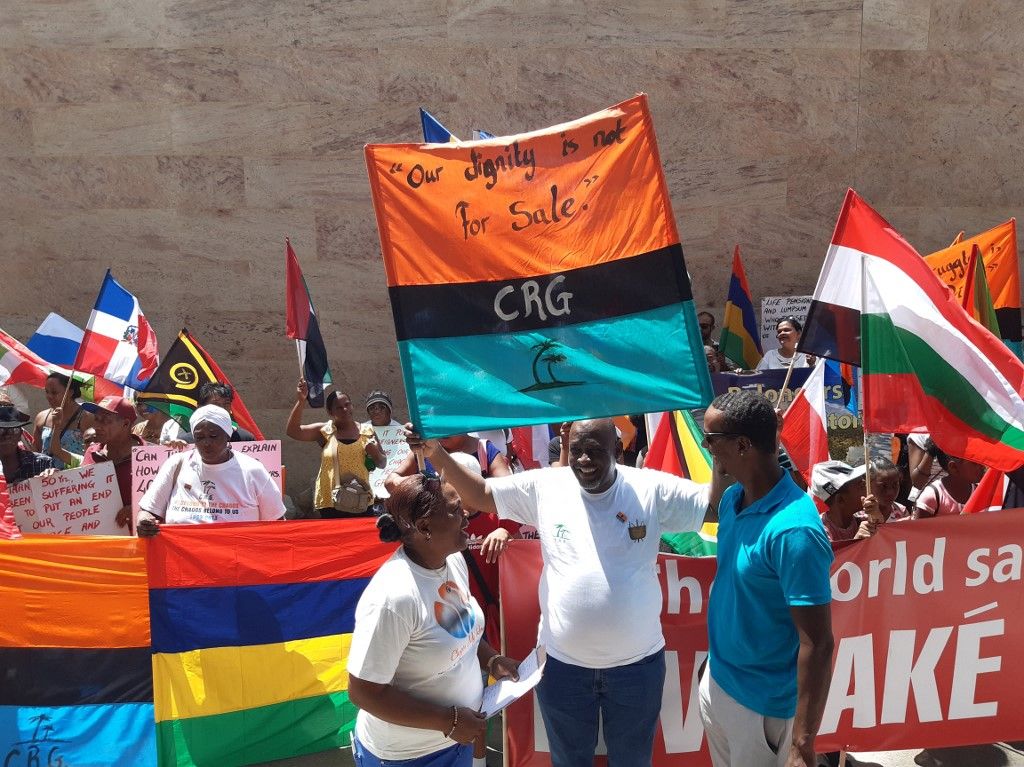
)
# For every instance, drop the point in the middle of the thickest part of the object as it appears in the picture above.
(773, 309)
(147, 460)
(82, 501)
(537, 278)
(392, 441)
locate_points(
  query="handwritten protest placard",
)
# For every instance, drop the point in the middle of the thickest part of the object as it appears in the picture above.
(773, 309)
(82, 501)
(147, 460)
(529, 276)
(392, 441)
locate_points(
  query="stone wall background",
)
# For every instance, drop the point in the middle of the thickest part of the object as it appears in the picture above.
(180, 141)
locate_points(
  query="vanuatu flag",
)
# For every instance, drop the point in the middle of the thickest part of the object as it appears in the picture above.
(175, 384)
(539, 277)
(251, 627)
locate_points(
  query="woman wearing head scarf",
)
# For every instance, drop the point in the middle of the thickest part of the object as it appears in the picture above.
(348, 451)
(211, 483)
(417, 650)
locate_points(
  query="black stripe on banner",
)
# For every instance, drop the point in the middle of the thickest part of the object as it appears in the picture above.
(831, 331)
(1009, 323)
(614, 289)
(53, 676)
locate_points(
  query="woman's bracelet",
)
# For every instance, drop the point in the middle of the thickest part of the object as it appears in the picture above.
(455, 721)
(490, 663)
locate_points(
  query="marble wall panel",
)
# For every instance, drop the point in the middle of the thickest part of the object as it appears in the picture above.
(180, 142)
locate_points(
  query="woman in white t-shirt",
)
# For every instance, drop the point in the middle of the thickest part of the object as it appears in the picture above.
(787, 330)
(417, 649)
(211, 483)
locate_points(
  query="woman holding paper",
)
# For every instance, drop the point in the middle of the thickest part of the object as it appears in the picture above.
(211, 483)
(418, 649)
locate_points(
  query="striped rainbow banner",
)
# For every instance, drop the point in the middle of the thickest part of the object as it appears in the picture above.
(251, 628)
(76, 685)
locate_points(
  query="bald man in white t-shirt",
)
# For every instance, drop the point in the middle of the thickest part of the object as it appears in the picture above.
(599, 527)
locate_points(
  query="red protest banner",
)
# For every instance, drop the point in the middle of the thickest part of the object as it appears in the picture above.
(926, 616)
(686, 583)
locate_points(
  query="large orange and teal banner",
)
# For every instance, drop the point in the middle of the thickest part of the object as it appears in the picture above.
(538, 277)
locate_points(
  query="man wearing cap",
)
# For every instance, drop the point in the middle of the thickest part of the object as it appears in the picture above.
(114, 417)
(842, 489)
(18, 464)
(769, 623)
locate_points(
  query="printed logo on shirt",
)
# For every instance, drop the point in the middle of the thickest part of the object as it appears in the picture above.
(209, 488)
(637, 531)
(561, 532)
(452, 612)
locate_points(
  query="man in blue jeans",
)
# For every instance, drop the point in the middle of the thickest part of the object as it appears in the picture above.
(600, 600)
(769, 621)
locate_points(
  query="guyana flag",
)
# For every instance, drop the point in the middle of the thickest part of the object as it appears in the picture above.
(175, 384)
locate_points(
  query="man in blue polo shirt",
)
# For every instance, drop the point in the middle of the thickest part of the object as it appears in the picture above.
(770, 625)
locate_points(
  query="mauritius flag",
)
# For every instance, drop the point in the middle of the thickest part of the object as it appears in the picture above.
(251, 626)
(537, 278)
(740, 341)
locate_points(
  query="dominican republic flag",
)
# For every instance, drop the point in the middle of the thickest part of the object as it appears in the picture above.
(804, 432)
(118, 343)
(301, 324)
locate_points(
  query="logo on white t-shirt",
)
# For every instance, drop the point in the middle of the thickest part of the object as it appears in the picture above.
(452, 612)
(561, 532)
(209, 488)
(637, 531)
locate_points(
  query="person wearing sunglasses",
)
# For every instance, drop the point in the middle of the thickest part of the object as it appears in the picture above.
(763, 691)
(599, 525)
(418, 647)
(18, 464)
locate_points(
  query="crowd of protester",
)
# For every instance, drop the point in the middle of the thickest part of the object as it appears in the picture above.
(454, 540)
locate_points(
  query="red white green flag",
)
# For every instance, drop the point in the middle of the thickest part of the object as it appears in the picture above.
(19, 364)
(927, 365)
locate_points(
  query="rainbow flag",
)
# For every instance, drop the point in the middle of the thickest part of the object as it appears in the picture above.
(676, 449)
(76, 686)
(537, 278)
(251, 627)
(740, 340)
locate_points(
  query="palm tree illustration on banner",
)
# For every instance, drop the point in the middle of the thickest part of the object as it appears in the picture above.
(545, 351)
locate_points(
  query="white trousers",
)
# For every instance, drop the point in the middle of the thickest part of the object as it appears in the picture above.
(737, 736)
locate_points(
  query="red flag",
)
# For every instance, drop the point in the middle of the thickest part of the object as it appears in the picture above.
(662, 453)
(804, 432)
(8, 527)
(19, 364)
(524, 445)
(989, 494)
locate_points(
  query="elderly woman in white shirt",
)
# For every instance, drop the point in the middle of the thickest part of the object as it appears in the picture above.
(211, 483)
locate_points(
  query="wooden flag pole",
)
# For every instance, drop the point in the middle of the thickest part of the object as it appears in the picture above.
(63, 404)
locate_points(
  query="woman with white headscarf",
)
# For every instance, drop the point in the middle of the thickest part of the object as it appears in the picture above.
(211, 483)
